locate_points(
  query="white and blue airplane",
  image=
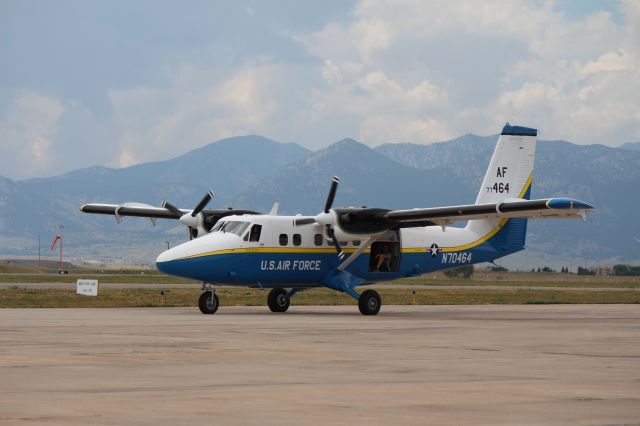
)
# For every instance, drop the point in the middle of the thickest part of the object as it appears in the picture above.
(343, 248)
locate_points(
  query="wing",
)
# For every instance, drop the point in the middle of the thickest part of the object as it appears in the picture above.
(132, 209)
(211, 216)
(547, 208)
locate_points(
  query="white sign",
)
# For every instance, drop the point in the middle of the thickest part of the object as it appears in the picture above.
(87, 287)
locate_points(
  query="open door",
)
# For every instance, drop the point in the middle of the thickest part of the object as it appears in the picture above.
(385, 253)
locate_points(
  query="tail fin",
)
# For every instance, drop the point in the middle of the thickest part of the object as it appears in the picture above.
(509, 176)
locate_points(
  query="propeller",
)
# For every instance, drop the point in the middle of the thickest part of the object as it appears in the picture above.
(327, 211)
(194, 219)
(326, 218)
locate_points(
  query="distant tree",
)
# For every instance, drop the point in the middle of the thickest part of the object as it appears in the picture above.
(585, 271)
(547, 269)
(626, 270)
(539, 269)
(465, 271)
(499, 269)
(533, 269)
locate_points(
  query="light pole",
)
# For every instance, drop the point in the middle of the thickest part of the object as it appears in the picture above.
(60, 228)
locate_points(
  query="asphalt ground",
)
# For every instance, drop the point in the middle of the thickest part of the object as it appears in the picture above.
(464, 365)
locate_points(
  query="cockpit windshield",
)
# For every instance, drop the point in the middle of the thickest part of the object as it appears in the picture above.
(234, 227)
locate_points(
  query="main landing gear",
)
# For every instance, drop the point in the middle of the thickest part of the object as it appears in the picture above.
(278, 300)
(369, 302)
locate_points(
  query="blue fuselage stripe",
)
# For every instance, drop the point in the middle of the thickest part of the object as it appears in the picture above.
(308, 269)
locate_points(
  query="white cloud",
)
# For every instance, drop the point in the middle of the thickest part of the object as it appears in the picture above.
(27, 133)
(402, 70)
(611, 61)
(199, 110)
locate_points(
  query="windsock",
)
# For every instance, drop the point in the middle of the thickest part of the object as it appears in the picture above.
(55, 240)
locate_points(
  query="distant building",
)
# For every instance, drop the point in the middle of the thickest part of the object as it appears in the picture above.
(602, 270)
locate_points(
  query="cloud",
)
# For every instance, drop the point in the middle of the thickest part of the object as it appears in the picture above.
(28, 133)
(196, 110)
(574, 78)
(405, 71)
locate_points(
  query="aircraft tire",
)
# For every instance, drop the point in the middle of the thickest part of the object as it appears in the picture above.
(369, 302)
(277, 301)
(208, 305)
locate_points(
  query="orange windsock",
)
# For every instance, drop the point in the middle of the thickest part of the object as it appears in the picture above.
(55, 240)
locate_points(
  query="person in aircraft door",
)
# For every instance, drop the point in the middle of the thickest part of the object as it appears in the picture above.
(383, 260)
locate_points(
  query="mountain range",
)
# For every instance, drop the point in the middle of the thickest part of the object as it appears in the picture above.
(253, 172)
(633, 146)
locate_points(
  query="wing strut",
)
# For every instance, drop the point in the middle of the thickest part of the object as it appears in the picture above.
(349, 260)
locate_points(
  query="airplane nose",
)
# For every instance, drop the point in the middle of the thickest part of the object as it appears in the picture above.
(163, 260)
(165, 256)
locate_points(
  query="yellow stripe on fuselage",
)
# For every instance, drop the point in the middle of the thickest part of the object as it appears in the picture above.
(302, 250)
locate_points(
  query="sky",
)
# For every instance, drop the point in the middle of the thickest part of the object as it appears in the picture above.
(116, 83)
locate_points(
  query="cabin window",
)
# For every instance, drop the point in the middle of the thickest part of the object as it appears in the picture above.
(297, 239)
(318, 240)
(356, 243)
(330, 242)
(343, 243)
(254, 234)
(284, 239)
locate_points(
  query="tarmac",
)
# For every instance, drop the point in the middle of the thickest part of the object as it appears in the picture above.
(409, 365)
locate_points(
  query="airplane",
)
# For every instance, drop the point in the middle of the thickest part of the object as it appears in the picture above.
(344, 248)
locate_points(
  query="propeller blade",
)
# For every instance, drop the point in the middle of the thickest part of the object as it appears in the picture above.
(336, 244)
(201, 205)
(173, 209)
(193, 233)
(335, 241)
(332, 194)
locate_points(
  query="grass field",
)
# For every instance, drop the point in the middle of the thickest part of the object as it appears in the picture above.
(565, 290)
(479, 279)
(141, 297)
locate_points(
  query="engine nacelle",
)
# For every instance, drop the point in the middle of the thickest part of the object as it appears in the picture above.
(359, 224)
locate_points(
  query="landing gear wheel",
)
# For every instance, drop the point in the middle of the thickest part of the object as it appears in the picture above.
(208, 302)
(277, 300)
(369, 302)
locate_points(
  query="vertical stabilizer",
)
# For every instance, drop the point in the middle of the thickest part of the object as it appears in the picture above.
(509, 176)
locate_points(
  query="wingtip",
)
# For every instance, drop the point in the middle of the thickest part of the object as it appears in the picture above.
(569, 203)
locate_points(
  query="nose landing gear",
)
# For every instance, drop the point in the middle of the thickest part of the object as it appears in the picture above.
(208, 302)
